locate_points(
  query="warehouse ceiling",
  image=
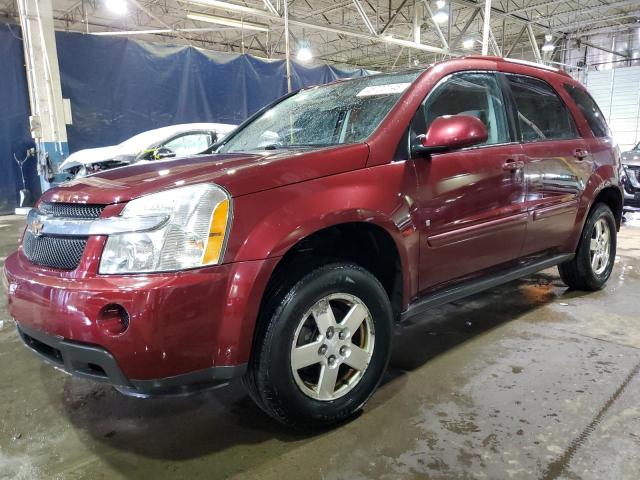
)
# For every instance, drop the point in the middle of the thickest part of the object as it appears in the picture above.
(375, 34)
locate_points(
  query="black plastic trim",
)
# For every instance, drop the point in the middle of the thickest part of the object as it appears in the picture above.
(466, 289)
(95, 363)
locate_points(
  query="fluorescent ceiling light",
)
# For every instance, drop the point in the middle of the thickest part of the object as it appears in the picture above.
(119, 7)
(548, 45)
(442, 14)
(468, 43)
(229, 22)
(304, 54)
(223, 5)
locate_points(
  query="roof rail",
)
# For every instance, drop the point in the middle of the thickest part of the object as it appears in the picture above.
(521, 62)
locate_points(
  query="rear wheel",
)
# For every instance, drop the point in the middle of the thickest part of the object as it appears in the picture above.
(322, 347)
(592, 265)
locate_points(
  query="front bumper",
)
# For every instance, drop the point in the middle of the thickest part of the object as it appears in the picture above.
(186, 329)
(96, 363)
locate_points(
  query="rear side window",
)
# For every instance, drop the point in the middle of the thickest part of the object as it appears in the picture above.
(542, 115)
(589, 109)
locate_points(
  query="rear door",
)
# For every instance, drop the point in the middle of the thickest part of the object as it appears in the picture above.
(470, 200)
(557, 163)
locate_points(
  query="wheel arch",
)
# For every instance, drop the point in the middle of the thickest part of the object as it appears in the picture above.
(611, 196)
(365, 243)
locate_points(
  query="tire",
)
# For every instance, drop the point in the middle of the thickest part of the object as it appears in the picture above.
(292, 330)
(580, 272)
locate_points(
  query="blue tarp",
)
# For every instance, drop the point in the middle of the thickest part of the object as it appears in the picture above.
(14, 121)
(119, 87)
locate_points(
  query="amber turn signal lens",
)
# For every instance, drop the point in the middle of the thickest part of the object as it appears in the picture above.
(217, 232)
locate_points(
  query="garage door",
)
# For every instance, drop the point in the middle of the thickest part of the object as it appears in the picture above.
(617, 92)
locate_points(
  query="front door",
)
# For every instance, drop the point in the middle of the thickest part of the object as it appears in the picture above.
(557, 163)
(470, 201)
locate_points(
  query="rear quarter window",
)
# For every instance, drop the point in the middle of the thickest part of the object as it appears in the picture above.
(592, 114)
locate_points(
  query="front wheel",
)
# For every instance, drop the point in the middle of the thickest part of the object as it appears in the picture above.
(593, 263)
(322, 347)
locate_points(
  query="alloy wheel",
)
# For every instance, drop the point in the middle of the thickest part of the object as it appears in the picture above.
(332, 347)
(600, 246)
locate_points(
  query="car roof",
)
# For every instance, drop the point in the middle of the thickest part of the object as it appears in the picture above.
(534, 69)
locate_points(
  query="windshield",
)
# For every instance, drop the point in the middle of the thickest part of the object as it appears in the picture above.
(340, 113)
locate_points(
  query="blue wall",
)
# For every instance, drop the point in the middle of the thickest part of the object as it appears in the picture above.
(119, 87)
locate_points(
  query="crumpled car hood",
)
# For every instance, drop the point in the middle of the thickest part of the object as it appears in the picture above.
(90, 156)
(240, 174)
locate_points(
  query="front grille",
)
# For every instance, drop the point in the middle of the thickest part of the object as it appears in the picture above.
(71, 210)
(63, 253)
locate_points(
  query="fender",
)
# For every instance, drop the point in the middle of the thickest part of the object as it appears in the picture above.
(267, 224)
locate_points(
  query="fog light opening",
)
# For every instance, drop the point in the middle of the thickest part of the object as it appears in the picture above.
(113, 319)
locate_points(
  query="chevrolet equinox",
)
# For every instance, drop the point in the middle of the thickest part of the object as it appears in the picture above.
(286, 254)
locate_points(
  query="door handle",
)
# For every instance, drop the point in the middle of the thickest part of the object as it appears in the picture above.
(512, 165)
(580, 154)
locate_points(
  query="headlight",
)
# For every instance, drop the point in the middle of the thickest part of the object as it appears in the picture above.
(193, 236)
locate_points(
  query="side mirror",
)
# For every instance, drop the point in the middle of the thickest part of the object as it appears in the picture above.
(162, 153)
(450, 132)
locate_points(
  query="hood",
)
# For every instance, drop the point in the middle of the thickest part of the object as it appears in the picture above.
(632, 157)
(240, 174)
(89, 156)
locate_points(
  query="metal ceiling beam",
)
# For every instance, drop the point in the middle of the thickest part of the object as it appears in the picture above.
(515, 42)
(365, 18)
(393, 17)
(486, 26)
(570, 27)
(271, 7)
(326, 28)
(438, 30)
(596, 8)
(536, 6)
(598, 47)
(534, 44)
(456, 40)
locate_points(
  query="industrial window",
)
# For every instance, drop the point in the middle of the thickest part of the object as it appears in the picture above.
(542, 114)
(589, 109)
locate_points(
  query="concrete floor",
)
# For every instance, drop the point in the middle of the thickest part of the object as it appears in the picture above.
(525, 381)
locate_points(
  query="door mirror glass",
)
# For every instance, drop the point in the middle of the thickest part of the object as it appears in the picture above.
(451, 132)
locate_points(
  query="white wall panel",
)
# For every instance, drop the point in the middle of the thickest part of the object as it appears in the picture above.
(617, 92)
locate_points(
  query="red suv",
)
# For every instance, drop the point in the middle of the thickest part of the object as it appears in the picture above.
(288, 253)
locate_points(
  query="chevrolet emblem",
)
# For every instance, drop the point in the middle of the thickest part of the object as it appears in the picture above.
(36, 226)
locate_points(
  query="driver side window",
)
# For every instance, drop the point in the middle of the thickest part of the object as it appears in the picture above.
(475, 94)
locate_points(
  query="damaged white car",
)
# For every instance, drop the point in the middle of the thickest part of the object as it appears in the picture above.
(161, 143)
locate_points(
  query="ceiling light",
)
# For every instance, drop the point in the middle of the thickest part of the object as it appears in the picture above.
(229, 22)
(118, 7)
(468, 43)
(441, 15)
(223, 5)
(304, 54)
(548, 45)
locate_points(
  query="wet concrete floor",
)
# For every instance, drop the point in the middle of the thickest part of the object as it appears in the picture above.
(528, 380)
